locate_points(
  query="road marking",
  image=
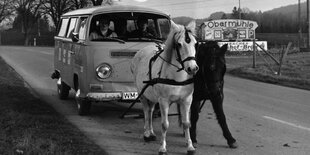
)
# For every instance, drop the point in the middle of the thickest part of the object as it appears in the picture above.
(287, 123)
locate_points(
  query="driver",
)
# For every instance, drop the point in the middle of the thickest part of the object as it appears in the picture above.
(103, 31)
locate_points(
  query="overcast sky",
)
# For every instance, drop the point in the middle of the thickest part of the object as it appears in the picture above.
(203, 8)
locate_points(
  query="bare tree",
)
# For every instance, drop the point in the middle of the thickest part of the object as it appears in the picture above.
(79, 3)
(29, 11)
(6, 9)
(102, 2)
(56, 8)
(96, 2)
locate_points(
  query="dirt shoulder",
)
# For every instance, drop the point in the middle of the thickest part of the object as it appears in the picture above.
(30, 126)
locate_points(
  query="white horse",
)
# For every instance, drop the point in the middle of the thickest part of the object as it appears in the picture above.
(174, 68)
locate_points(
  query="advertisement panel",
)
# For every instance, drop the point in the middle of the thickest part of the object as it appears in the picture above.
(244, 45)
(228, 29)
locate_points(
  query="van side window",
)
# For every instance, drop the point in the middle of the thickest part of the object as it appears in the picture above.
(63, 27)
(71, 26)
(82, 28)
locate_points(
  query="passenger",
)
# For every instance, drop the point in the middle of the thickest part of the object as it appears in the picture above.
(103, 31)
(142, 29)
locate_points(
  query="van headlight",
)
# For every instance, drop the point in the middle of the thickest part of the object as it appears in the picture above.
(103, 71)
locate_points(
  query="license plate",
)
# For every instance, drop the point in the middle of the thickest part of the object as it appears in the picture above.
(104, 96)
(130, 95)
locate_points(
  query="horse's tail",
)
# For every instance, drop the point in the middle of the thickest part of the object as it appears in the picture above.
(179, 115)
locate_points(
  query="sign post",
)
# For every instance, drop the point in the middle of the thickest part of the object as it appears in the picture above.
(254, 53)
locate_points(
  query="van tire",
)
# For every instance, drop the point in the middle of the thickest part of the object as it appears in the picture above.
(83, 106)
(63, 90)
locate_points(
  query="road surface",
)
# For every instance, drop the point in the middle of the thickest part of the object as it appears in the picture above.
(264, 118)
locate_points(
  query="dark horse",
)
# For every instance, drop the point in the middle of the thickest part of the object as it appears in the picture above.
(208, 85)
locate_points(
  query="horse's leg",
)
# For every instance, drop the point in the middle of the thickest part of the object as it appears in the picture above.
(152, 134)
(185, 108)
(217, 103)
(148, 108)
(164, 109)
(194, 118)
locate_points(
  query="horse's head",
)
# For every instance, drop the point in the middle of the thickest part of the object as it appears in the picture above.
(184, 44)
(211, 60)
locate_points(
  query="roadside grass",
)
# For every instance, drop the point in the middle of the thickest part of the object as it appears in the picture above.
(295, 71)
(30, 126)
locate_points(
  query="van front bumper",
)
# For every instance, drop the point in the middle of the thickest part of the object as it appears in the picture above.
(109, 96)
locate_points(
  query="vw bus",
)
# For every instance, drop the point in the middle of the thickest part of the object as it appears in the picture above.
(98, 69)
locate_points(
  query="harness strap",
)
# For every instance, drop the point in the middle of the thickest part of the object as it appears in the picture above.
(152, 60)
(168, 82)
(182, 62)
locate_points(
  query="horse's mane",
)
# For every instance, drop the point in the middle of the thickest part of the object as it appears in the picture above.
(170, 41)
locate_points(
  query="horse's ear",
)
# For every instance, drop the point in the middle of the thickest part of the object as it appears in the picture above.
(174, 26)
(224, 48)
(192, 26)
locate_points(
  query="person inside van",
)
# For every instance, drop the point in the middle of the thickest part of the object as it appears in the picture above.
(103, 31)
(142, 29)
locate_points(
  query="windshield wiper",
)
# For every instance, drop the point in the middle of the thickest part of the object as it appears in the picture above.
(110, 39)
(117, 39)
(147, 39)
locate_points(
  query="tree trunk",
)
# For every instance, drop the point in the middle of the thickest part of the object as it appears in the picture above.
(26, 36)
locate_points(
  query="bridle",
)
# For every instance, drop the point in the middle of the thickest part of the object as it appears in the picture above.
(177, 48)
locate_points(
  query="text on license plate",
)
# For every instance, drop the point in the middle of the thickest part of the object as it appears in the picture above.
(130, 95)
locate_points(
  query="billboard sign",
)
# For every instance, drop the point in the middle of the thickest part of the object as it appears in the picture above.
(244, 45)
(228, 29)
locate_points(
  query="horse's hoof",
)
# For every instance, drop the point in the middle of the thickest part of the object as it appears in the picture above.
(233, 145)
(191, 152)
(162, 153)
(195, 144)
(150, 138)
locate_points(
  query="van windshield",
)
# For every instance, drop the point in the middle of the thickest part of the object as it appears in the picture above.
(129, 26)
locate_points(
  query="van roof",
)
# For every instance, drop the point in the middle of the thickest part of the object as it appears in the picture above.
(112, 9)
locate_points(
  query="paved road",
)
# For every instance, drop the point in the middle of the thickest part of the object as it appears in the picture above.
(264, 118)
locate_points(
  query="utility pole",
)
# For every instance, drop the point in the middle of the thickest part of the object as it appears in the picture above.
(299, 26)
(308, 20)
(239, 10)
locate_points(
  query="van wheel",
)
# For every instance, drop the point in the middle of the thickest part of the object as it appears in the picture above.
(83, 104)
(62, 89)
